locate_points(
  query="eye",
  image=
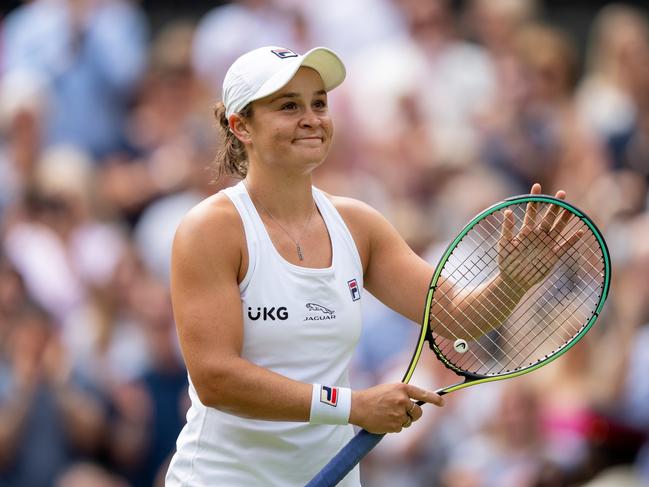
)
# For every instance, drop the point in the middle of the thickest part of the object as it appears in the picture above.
(289, 106)
(320, 104)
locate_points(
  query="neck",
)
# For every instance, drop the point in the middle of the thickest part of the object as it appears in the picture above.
(287, 197)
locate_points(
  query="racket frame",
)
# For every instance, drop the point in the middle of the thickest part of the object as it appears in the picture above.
(426, 335)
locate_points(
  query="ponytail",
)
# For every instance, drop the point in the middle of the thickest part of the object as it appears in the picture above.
(231, 157)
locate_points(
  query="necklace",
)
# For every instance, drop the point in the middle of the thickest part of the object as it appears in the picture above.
(298, 248)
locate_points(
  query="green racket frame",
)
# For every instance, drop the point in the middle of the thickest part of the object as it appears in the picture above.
(426, 335)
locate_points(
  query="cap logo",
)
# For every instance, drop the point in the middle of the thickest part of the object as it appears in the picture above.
(283, 53)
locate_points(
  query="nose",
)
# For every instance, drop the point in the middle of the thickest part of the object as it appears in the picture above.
(310, 119)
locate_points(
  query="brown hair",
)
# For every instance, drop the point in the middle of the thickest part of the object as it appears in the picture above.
(231, 157)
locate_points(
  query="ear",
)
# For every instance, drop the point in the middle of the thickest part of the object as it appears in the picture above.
(239, 127)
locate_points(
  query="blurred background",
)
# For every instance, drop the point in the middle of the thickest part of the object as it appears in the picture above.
(106, 138)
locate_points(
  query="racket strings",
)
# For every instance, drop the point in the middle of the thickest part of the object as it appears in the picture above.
(463, 275)
(557, 344)
(526, 359)
(573, 262)
(510, 359)
(479, 244)
(574, 274)
(542, 318)
(460, 325)
(459, 289)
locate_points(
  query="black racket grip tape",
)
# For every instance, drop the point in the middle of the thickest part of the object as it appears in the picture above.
(346, 459)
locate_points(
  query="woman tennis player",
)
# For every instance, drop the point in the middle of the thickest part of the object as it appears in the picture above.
(267, 280)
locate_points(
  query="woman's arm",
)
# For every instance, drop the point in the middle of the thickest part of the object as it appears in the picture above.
(400, 278)
(206, 258)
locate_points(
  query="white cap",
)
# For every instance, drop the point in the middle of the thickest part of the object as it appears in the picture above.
(264, 71)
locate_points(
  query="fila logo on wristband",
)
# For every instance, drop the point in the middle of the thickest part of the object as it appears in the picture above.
(329, 395)
(330, 405)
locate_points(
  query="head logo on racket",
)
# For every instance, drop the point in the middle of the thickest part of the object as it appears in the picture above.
(460, 345)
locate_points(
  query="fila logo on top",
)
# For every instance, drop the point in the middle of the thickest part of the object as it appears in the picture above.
(329, 395)
(354, 290)
(283, 53)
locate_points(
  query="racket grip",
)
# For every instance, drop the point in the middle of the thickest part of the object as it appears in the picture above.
(346, 459)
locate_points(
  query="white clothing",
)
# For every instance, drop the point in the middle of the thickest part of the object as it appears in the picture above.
(300, 322)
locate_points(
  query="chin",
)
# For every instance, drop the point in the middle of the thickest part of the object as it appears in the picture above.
(312, 156)
(309, 163)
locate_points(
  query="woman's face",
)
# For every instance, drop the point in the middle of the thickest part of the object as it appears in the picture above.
(292, 127)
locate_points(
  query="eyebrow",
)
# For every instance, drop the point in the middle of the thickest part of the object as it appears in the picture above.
(295, 95)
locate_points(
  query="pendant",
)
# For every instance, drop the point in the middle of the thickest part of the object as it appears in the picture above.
(299, 252)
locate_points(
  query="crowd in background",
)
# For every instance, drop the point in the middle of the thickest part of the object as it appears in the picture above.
(106, 138)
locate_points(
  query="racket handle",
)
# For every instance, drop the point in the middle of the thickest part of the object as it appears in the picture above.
(351, 454)
(346, 459)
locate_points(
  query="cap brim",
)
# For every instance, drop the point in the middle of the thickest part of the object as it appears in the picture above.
(326, 62)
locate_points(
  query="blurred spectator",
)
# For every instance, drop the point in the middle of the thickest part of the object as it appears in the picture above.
(494, 24)
(59, 221)
(425, 65)
(105, 338)
(334, 23)
(619, 41)
(23, 102)
(155, 230)
(168, 125)
(535, 135)
(150, 411)
(91, 53)
(47, 418)
(508, 452)
(229, 30)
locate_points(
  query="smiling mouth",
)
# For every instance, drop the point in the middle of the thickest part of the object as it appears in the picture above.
(319, 139)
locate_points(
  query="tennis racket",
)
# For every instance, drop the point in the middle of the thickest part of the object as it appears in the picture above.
(560, 268)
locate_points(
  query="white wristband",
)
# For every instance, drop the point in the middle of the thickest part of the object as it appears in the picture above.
(330, 405)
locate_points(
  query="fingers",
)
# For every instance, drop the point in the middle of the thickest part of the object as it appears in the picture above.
(561, 222)
(530, 212)
(418, 394)
(414, 412)
(549, 221)
(388, 408)
(507, 230)
(572, 240)
(530, 215)
(551, 213)
(549, 217)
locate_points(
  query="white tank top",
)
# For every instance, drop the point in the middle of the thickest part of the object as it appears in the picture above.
(300, 322)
